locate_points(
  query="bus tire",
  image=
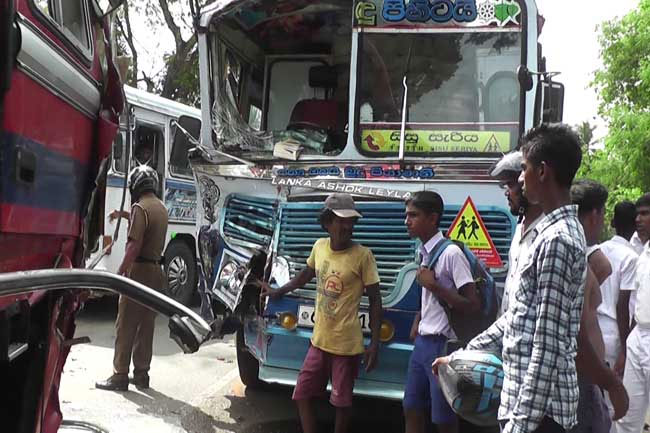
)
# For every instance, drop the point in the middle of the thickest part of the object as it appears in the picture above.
(249, 366)
(180, 271)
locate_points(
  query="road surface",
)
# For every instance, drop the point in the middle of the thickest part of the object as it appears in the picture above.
(198, 393)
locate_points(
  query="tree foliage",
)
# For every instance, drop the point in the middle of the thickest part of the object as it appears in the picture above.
(178, 78)
(623, 86)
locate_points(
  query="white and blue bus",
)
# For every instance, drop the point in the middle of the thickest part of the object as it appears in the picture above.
(152, 126)
(378, 98)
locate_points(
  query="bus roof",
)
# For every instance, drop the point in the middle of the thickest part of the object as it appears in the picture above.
(159, 104)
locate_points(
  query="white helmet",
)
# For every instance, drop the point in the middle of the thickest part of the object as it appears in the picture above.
(143, 179)
(510, 162)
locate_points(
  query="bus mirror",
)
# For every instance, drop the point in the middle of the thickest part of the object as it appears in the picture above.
(553, 102)
(525, 78)
(102, 8)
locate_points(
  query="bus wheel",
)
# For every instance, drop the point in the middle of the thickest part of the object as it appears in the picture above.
(180, 269)
(249, 366)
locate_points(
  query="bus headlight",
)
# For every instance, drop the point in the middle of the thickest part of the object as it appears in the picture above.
(280, 271)
(288, 321)
(386, 331)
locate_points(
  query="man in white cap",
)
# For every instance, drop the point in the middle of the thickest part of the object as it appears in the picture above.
(507, 171)
(344, 270)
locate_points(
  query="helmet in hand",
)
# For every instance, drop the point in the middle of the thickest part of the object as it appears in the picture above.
(471, 384)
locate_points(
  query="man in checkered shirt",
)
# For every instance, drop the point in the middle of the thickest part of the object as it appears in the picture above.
(537, 336)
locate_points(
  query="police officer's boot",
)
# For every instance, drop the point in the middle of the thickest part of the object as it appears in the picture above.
(117, 382)
(140, 380)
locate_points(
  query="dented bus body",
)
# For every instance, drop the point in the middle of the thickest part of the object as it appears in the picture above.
(377, 98)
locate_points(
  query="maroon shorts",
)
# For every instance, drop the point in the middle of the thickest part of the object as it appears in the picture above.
(318, 368)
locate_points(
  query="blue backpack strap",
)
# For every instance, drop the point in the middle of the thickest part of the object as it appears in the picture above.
(434, 256)
(437, 252)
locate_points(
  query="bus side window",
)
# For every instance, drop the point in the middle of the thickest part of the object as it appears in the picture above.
(44, 6)
(233, 73)
(73, 20)
(179, 164)
(70, 16)
(178, 161)
(147, 141)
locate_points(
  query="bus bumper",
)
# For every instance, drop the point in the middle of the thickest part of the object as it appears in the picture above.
(283, 352)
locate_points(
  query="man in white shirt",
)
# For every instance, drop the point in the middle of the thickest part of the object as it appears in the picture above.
(448, 281)
(591, 197)
(613, 312)
(639, 239)
(507, 171)
(636, 377)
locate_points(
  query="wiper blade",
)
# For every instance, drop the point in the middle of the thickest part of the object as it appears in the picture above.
(402, 134)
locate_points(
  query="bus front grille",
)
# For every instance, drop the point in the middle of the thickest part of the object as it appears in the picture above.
(250, 222)
(381, 229)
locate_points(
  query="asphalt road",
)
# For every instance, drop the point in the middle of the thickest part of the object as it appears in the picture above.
(198, 393)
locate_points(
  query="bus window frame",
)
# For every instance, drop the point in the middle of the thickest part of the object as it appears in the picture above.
(356, 134)
(84, 53)
(223, 47)
(160, 132)
(269, 63)
(170, 166)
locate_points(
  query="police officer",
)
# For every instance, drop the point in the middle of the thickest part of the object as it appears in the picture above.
(142, 262)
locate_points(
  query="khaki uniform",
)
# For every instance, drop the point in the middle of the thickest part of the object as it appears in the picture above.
(135, 323)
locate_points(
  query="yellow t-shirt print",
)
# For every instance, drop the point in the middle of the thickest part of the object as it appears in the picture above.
(332, 287)
(341, 279)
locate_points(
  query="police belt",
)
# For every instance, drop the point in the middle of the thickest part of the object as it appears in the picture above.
(158, 261)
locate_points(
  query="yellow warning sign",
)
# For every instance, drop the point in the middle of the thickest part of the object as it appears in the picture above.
(421, 141)
(468, 228)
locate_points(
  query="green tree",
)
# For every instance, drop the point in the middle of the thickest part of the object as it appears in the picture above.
(179, 77)
(586, 132)
(623, 86)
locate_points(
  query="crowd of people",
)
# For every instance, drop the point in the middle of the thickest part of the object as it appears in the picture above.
(573, 330)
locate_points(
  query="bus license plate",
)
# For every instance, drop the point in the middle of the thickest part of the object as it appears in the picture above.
(307, 314)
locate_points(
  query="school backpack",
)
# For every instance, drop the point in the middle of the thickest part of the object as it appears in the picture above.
(467, 326)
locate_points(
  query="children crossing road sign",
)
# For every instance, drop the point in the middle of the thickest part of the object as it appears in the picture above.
(468, 228)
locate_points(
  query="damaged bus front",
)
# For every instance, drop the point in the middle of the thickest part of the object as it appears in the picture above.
(377, 98)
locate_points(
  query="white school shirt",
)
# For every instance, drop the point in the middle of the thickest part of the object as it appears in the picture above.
(452, 271)
(637, 245)
(642, 288)
(519, 250)
(623, 259)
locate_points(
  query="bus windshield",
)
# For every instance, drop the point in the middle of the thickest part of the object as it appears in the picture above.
(463, 94)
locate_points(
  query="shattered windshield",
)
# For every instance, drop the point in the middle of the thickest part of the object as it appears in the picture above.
(463, 93)
(282, 82)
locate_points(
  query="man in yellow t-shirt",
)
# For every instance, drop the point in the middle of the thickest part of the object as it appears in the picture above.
(344, 270)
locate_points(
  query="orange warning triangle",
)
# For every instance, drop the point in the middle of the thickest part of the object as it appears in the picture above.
(468, 228)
